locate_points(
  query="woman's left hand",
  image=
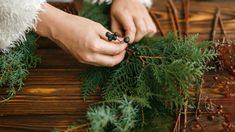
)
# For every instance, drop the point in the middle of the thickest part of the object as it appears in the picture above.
(131, 18)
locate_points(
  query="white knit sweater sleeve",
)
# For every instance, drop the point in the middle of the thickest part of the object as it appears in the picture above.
(16, 18)
(147, 3)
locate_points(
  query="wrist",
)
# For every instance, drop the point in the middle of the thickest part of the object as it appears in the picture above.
(147, 3)
(48, 20)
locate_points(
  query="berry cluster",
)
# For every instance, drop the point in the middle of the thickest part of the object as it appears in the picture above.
(132, 49)
(226, 51)
(111, 36)
(225, 83)
(217, 111)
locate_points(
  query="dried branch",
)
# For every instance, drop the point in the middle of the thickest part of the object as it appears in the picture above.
(156, 21)
(199, 96)
(186, 4)
(73, 129)
(6, 99)
(177, 124)
(175, 12)
(215, 24)
(223, 29)
(185, 116)
(148, 57)
(172, 20)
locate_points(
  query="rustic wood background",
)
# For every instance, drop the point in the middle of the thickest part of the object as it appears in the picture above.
(51, 97)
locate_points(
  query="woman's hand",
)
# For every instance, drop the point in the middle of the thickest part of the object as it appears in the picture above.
(83, 38)
(133, 18)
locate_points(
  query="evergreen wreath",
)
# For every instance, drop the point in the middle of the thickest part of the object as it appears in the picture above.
(150, 86)
(15, 65)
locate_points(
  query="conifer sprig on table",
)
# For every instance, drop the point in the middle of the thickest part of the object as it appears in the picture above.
(15, 64)
(103, 118)
(158, 80)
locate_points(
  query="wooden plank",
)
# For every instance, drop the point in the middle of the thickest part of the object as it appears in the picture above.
(201, 16)
(51, 95)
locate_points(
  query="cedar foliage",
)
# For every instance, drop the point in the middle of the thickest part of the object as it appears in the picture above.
(14, 65)
(157, 86)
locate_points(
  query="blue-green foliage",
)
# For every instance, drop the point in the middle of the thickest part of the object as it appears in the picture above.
(104, 118)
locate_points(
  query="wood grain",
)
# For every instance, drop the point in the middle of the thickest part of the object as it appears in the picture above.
(201, 16)
(51, 97)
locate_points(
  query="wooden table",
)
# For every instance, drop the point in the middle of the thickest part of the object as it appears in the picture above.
(51, 97)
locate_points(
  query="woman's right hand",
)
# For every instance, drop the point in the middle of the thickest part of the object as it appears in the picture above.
(83, 38)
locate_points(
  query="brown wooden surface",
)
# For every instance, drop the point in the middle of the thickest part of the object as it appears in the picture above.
(51, 97)
(201, 16)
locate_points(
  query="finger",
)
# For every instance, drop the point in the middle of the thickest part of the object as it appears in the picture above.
(141, 28)
(109, 61)
(127, 22)
(88, 63)
(151, 27)
(102, 32)
(108, 48)
(116, 27)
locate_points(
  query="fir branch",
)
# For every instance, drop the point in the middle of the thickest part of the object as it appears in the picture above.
(92, 82)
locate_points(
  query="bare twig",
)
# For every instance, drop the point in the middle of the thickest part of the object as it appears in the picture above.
(186, 4)
(185, 116)
(6, 99)
(177, 124)
(143, 117)
(77, 127)
(156, 21)
(148, 57)
(198, 100)
(215, 24)
(223, 29)
(175, 12)
(172, 20)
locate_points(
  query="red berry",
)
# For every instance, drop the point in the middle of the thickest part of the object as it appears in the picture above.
(199, 112)
(216, 78)
(220, 107)
(226, 118)
(224, 124)
(197, 125)
(233, 70)
(212, 117)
